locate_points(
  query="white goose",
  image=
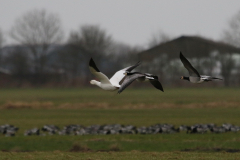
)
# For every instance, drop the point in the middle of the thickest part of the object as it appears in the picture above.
(105, 83)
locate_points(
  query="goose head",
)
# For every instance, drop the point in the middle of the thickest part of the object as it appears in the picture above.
(94, 82)
(184, 78)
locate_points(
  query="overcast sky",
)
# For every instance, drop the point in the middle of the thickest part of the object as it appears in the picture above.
(131, 21)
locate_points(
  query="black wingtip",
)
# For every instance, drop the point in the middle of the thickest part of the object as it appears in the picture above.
(157, 85)
(161, 89)
(137, 64)
(181, 55)
(119, 92)
(92, 64)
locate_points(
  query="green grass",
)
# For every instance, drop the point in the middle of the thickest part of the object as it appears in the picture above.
(133, 155)
(148, 96)
(29, 108)
(154, 143)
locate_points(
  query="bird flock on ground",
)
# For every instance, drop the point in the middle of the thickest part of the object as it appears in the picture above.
(123, 78)
(76, 129)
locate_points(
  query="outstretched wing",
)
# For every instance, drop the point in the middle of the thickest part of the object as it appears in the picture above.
(153, 79)
(119, 75)
(157, 84)
(128, 80)
(95, 71)
(192, 71)
(130, 68)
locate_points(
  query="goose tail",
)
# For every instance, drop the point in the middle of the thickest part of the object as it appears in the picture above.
(217, 78)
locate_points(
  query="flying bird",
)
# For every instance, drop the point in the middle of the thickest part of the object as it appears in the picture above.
(194, 76)
(142, 77)
(104, 82)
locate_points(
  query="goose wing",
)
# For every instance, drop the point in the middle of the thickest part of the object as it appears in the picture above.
(119, 75)
(130, 68)
(129, 79)
(153, 79)
(157, 84)
(192, 71)
(95, 71)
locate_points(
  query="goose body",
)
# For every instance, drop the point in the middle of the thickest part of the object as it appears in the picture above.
(194, 76)
(141, 77)
(104, 82)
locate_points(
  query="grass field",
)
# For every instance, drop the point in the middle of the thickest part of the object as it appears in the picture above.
(130, 98)
(133, 155)
(29, 108)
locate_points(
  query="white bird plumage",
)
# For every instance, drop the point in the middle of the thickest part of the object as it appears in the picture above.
(104, 82)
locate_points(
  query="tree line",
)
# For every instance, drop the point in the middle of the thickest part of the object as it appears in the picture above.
(41, 56)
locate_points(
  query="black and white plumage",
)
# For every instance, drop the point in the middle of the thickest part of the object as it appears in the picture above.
(111, 84)
(194, 76)
(142, 77)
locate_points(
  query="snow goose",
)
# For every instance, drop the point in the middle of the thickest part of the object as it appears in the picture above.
(105, 83)
(194, 76)
(141, 77)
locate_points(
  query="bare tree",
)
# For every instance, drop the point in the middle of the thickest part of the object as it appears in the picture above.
(231, 35)
(158, 38)
(92, 38)
(37, 30)
(88, 41)
(124, 51)
(72, 60)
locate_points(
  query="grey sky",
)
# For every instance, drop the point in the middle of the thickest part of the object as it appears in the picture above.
(132, 21)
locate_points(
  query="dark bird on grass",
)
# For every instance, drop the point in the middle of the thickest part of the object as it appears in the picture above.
(194, 76)
(141, 77)
(105, 83)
